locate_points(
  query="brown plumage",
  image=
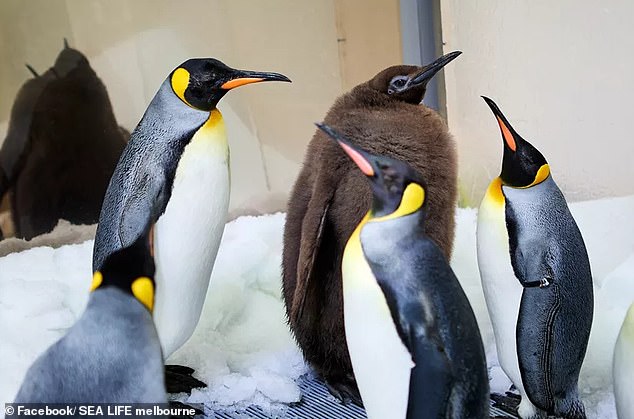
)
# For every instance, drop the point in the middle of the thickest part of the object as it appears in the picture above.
(61, 148)
(331, 197)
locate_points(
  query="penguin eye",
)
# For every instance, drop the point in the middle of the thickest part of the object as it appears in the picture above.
(396, 84)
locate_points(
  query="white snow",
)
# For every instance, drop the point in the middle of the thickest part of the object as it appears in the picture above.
(242, 347)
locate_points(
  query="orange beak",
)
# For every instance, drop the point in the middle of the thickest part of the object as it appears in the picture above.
(249, 77)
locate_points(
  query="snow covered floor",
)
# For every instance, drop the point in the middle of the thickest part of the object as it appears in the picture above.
(242, 346)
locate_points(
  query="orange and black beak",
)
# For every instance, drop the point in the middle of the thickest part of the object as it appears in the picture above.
(508, 133)
(243, 77)
(361, 158)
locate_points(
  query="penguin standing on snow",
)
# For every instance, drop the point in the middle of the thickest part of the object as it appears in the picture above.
(623, 368)
(112, 354)
(536, 279)
(330, 197)
(174, 172)
(414, 342)
(61, 147)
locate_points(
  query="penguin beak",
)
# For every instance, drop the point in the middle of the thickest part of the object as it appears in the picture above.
(358, 156)
(430, 70)
(508, 133)
(242, 77)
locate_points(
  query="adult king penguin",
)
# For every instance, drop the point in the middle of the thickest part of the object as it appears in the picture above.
(112, 353)
(330, 196)
(175, 172)
(623, 368)
(536, 279)
(414, 341)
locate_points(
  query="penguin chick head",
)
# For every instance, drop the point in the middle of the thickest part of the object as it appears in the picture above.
(202, 82)
(130, 269)
(523, 165)
(397, 188)
(408, 83)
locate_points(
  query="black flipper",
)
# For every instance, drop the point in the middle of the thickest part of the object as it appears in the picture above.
(309, 248)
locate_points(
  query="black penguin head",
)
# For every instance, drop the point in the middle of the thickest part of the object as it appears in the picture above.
(130, 269)
(397, 188)
(202, 82)
(408, 83)
(522, 165)
(68, 60)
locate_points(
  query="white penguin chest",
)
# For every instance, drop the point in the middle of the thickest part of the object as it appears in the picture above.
(502, 290)
(381, 363)
(187, 235)
(623, 368)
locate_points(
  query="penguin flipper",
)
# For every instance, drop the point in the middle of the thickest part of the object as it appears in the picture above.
(432, 366)
(142, 208)
(532, 259)
(309, 248)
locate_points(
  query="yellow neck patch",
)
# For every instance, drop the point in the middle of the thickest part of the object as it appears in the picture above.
(143, 290)
(97, 279)
(180, 81)
(494, 192)
(541, 176)
(412, 200)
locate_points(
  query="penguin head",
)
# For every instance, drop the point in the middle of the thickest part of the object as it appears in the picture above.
(398, 189)
(68, 60)
(523, 165)
(202, 82)
(408, 83)
(131, 269)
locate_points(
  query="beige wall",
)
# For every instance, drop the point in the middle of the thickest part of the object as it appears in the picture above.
(562, 71)
(133, 45)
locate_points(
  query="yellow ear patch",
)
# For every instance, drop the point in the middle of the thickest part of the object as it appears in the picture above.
(143, 290)
(97, 279)
(180, 81)
(541, 176)
(412, 200)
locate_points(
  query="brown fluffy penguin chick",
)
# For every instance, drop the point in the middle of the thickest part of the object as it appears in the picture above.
(61, 148)
(330, 196)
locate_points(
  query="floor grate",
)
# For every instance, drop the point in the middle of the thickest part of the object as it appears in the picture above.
(317, 403)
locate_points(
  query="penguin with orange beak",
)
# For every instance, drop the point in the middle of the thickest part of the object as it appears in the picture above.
(174, 173)
(413, 339)
(536, 279)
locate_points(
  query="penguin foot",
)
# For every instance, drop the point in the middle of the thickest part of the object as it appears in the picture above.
(507, 403)
(180, 405)
(345, 391)
(179, 379)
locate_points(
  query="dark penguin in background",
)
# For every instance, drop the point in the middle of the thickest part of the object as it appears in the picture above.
(112, 354)
(61, 148)
(414, 341)
(536, 280)
(330, 197)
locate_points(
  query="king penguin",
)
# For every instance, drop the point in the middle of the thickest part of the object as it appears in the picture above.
(385, 116)
(174, 172)
(414, 341)
(112, 353)
(536, 279)
(623, 368)
(61, 148)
